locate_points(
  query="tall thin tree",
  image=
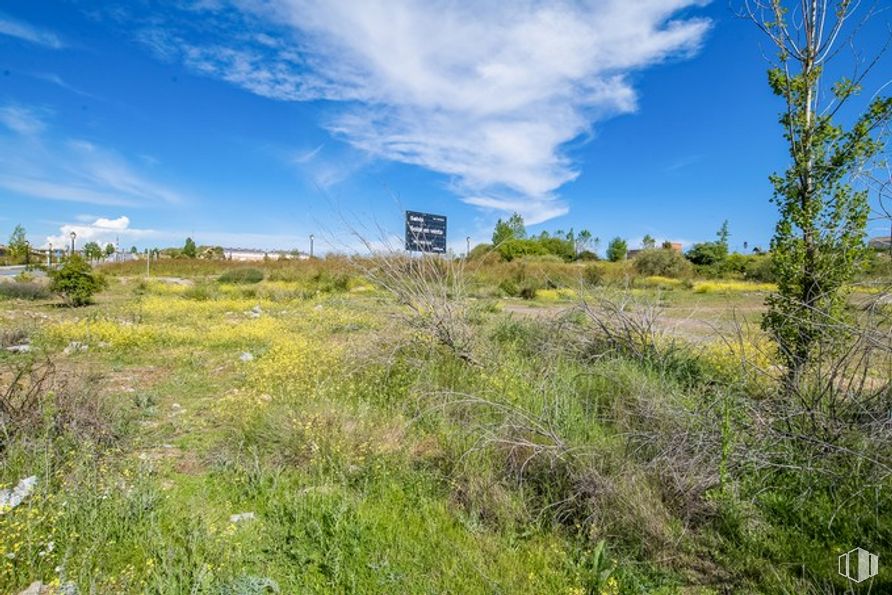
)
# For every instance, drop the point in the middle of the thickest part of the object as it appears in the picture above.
(818, 244)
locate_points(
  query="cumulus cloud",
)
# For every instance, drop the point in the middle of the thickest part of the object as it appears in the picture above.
(102, 231)
(36, 164)
(487, 94)
(26, 32)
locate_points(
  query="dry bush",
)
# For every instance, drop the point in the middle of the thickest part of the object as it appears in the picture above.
(432, 292)
(836, 417)
(36, 400)
(12, 336)
(620, 322)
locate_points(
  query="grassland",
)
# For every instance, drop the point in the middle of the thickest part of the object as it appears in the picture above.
(364, 457)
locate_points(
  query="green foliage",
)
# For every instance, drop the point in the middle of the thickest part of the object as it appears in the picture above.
(92, 251)
(245, 275)
(190, 250)
(109, 249)
(707, 253)
(514, 248)
(586, 242)
(563, 461)
(661, 262)
(593, 274)
(752, 267)
(512, 229)
(18, 245)
(75, 281)
(723, 235)
(23, 291)
(818, 245)
(648, 242)
(479, 251)
(617, 249)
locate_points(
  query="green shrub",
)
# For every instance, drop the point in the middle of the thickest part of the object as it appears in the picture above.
(662, 262)
(593, 274)
(200, 293)
(242, 276)
(617, 249)
(759, 268)
(511, 249)
(23, 291)
(24, 277)
(528, 289)
(707, 253)
(76, 282)
(509, 287)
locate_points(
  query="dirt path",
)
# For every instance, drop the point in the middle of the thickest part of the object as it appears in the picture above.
(692, 323)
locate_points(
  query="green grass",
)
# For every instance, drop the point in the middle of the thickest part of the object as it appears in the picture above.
(375, 461)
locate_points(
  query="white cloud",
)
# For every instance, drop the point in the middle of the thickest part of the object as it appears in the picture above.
(26, 32)
(107, 230)
(22, 120)
(484, 93)
(102, 231)
(38, 165)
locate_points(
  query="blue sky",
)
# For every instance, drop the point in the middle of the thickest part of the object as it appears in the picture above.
(257, 122)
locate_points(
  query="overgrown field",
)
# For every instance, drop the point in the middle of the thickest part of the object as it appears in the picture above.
(314, 432)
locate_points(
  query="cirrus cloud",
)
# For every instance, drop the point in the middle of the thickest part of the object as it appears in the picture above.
(36, 163)
(487, 94)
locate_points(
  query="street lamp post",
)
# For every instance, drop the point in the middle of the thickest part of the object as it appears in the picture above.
(311, 245)
(73, 236)
(467, 247)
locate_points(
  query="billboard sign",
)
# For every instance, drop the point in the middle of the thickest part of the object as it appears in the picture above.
(425, 232)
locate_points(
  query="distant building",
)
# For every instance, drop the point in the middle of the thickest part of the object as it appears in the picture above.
(880, 243)
(254, 255)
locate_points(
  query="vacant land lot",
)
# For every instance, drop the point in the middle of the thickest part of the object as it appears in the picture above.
(308, 434)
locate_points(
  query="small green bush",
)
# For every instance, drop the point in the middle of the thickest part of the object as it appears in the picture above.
(528, 289)
(200, 293)
(23, 291)
(593, 274)
(76, 282)
(242, 276)
(760, 268)
(663, 263)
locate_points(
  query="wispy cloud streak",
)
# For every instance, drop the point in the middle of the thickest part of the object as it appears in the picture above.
(37, 164)
(487, 94)
(26, 32)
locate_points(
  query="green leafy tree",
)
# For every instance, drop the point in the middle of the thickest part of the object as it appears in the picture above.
(512, 229)
(666, 263)
(648, 242)
(109, 249)
(92, 251)
(75, 281)
(723, 234)
(133, 250)
(666, 245)
(18, 245)
(584, 241)
(707, 253)
(818, 243)
(190, 250)
(617, 249)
